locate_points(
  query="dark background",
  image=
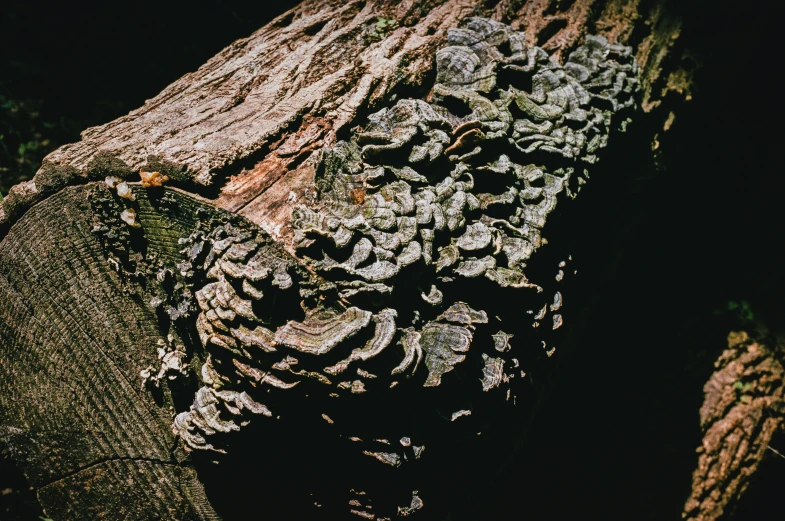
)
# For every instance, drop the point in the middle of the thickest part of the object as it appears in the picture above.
(663, 254)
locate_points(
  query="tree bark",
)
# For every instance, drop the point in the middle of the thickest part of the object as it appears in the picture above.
(235, 138)
(740, 415)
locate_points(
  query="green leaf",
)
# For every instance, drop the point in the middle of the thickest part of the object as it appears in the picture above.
(383, 24)
(746, 311)
(737, 385)
(746, 398)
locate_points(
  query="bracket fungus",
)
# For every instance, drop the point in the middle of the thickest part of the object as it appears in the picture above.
(425, 199)
(459, 185)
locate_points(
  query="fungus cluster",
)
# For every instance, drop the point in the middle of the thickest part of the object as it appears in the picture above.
(425, 194)
(464, 183)
(424, 199)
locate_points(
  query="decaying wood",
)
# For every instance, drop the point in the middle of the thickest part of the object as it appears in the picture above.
(742, 410)
(241, 131)
(72, 413)
(296, 83)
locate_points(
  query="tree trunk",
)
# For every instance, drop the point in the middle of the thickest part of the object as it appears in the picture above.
(114, 314)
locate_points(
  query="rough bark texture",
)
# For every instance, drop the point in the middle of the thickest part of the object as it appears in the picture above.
(243, 122)
(741, 413)
(75, 333)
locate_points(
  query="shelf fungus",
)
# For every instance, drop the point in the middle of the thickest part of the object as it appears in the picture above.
(493, 372)
(501, 341)
(460, 186)
(388, 458)
(319, 334)
(383, 335)
(444, 346)
(415, 505)
(422, 225)
(489, 105)
(172, 360)
(460, 414)
(204, 417)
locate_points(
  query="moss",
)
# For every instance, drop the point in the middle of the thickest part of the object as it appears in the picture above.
(378, 30)
(52, 178)
(105, 164)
